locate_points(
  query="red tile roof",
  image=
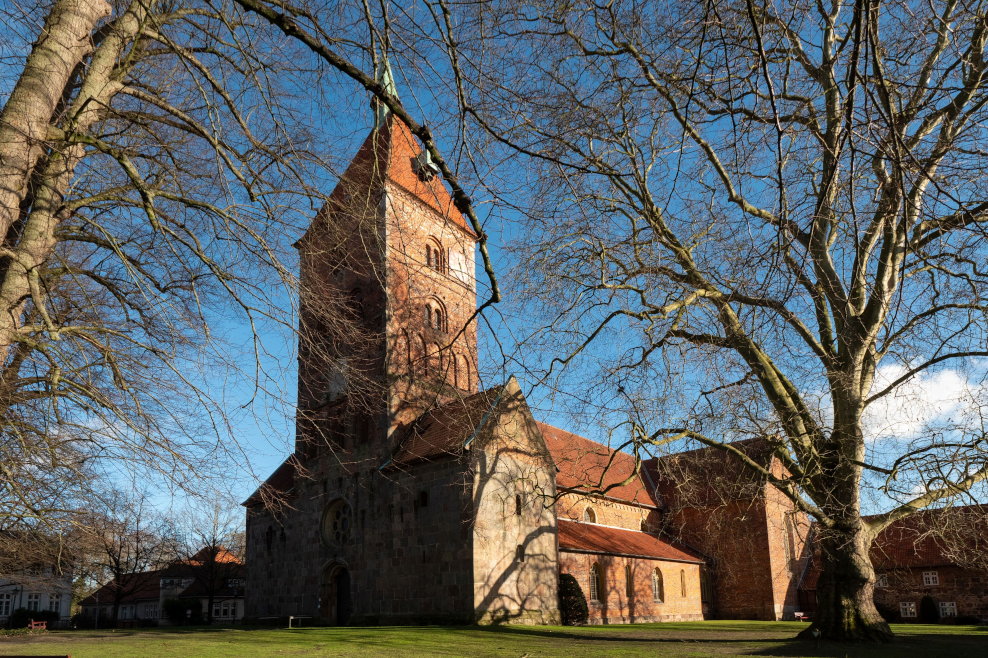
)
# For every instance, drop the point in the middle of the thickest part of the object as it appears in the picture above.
(135, 586)
(444, 430)
(586, 466)
(591, 538)
(278, 483)
(388, 153)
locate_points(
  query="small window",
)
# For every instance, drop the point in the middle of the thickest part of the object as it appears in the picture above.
(34, 602)
(55, 602)
(520, 553)
(596, 584)
(882, 580)
(948, 609)
(644, 525)
(658, 593)
(423, 498)
(629, 582)
(5, 600)
(907, 609)
(589, 515)
(428, 315)
(682, 583)
(517, 504)
(428, 255)
(931, 578)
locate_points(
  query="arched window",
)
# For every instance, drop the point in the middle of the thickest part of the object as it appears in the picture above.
(434, 257)
(456, 371)
(682, 583)
(589, 515)
(629, 582)
(596, 582)
(428, 315)
(658, 590)
(425, 356)
(428, 255)
(468, 376)
(644, 525)
(517, 504)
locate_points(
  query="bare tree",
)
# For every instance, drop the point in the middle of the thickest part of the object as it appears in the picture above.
(124, 544)
(745, 219)
(213, 547)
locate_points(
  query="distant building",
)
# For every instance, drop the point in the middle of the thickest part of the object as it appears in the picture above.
(141, 596)
(942, 554)
(37, 576)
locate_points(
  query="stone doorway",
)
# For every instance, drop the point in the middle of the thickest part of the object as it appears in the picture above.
(336, 597)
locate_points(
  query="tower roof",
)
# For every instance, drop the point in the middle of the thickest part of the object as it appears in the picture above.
(388, 155)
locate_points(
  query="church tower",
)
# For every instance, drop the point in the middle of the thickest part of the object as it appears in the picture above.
(387, 292)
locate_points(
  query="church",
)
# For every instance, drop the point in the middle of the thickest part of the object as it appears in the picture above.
(414, 495)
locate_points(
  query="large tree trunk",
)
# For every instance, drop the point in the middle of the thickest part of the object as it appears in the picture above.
(63, 42)
(845, 592)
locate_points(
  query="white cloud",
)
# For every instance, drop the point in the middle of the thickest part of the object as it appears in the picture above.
(931, 399)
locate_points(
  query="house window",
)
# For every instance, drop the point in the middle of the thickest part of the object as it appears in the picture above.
(517, 504)
(629, 583)
(658, 593)
(5, 600)
(596, 582)
(520, 553)
(226, 609)
(55, 602)
(682, 583)
(948, 609)
(931, 578)
(150, 610)
(236, 582)
(882, 580)
(34, 602)
(589, 515)
(907, 609)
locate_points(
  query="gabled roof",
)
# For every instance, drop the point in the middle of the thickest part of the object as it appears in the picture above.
(280, 482)
(709, 476)
(445, 430)
(605, 540)
(137, 586)
(387, 154)
(586, 465)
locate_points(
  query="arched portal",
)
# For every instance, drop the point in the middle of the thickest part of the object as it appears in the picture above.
(336, 596)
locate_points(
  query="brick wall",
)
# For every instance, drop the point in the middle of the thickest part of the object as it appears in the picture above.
(608, 512)
(967, 588)
(616, 607)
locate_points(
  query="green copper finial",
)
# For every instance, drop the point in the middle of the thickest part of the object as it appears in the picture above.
(386, 80)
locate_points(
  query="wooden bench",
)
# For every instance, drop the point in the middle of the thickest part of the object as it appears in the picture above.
(801, 616)
(37, 625)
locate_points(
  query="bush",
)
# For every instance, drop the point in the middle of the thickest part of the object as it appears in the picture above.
(929, 611)
(572, 603)
(21, 617)
(175, 610)
(968, 620)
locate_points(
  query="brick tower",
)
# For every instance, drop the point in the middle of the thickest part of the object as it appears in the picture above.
(387, 289)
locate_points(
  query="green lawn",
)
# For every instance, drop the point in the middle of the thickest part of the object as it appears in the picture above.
(724, 638)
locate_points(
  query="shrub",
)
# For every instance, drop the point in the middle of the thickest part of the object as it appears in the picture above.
(968, 620)
(929, 611)
(21, 617)
(572, 603)
(175, 610)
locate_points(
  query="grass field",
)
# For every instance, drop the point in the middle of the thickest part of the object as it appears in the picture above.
(680, 640)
